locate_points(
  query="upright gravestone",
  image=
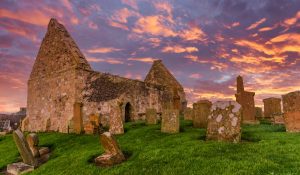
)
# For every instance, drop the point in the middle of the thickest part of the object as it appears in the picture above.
(112, 153)
(291, 109)
(201, 111)
(188, 114)
(116, 122)
(224, 122)
(151, 116)
(170, 121)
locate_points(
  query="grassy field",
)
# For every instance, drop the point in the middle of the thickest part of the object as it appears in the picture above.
(265, 149)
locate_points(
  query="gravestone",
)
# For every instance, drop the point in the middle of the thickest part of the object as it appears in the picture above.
(112, 153)
(24, 148)
(151, 116)
(272, 107)
(170, 121)
(77, 118)
(291, 109)
(188, 114)
(33, 142)
(201, 111)
(116, 122)
(224, 122)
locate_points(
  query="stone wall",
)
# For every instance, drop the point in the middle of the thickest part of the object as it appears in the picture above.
(291, 109)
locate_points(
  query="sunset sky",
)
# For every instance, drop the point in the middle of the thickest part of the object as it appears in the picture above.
(205, 44)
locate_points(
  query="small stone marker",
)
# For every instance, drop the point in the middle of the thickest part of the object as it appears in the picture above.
(151, 116)
(170, 121)
(201, 111)
(291, 108)
(24, 148)
(278, 120)
(112, 153)
(224, 122)
(188, 114)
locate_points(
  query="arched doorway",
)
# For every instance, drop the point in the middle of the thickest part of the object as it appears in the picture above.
(128, 112)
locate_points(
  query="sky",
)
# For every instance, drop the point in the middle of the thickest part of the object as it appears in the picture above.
(206, 44)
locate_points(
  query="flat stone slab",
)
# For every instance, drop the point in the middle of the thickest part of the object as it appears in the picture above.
(19, 168)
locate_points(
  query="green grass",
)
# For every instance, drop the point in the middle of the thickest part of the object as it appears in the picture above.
(265, 149)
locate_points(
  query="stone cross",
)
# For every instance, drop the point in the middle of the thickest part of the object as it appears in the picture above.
(24, 148)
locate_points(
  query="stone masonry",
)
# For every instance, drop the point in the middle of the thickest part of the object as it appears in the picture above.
(224, 122)
(246, 99)
(291, 109)
(272, 107)
(63, 90)
(201, 111)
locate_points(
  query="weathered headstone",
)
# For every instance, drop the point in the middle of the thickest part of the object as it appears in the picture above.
(24, 148)
(272, 107)
(188, 114)
(19, 168)
(112, 153)
(278, 120)
(170, 121)
(201, 111)
(116, 122)
(224, 122)
(33, 142)
(258, 113)
(151, 116)
(291, 109)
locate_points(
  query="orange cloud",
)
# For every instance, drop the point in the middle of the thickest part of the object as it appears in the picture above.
(293, 20)
(103, 50)
(122, 15)
(256, 46)
(34, 17)
(256, 24)
(193, 33)
(179, 49)
(153, 25)
(143, 59)
(118, 25)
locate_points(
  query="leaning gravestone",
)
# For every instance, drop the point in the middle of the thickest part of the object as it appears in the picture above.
(151, 117)
(31, 154)
(24, 148)
(224, 122)
(170, 121)
(116, 122)
(112, 153)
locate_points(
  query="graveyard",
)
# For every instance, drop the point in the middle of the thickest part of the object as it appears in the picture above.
(264, 149)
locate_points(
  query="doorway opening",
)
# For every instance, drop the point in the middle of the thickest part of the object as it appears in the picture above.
(128, 112)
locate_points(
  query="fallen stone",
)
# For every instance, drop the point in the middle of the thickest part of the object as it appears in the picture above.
(19, 168)
(112, 153)
(224, 122)
(33, 142)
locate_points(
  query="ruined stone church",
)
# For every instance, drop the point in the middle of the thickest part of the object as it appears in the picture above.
(64, 91)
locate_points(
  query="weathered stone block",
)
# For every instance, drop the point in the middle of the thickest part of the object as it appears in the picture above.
(291, 108)
(112, 153)
(188, 114)
(77, 119)
(201, 111)
(278, 120)
(272, 107)
(33, 142)
(224, 122)
(170, 121)
(19, 168)
(151, 116)
(258, 113)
